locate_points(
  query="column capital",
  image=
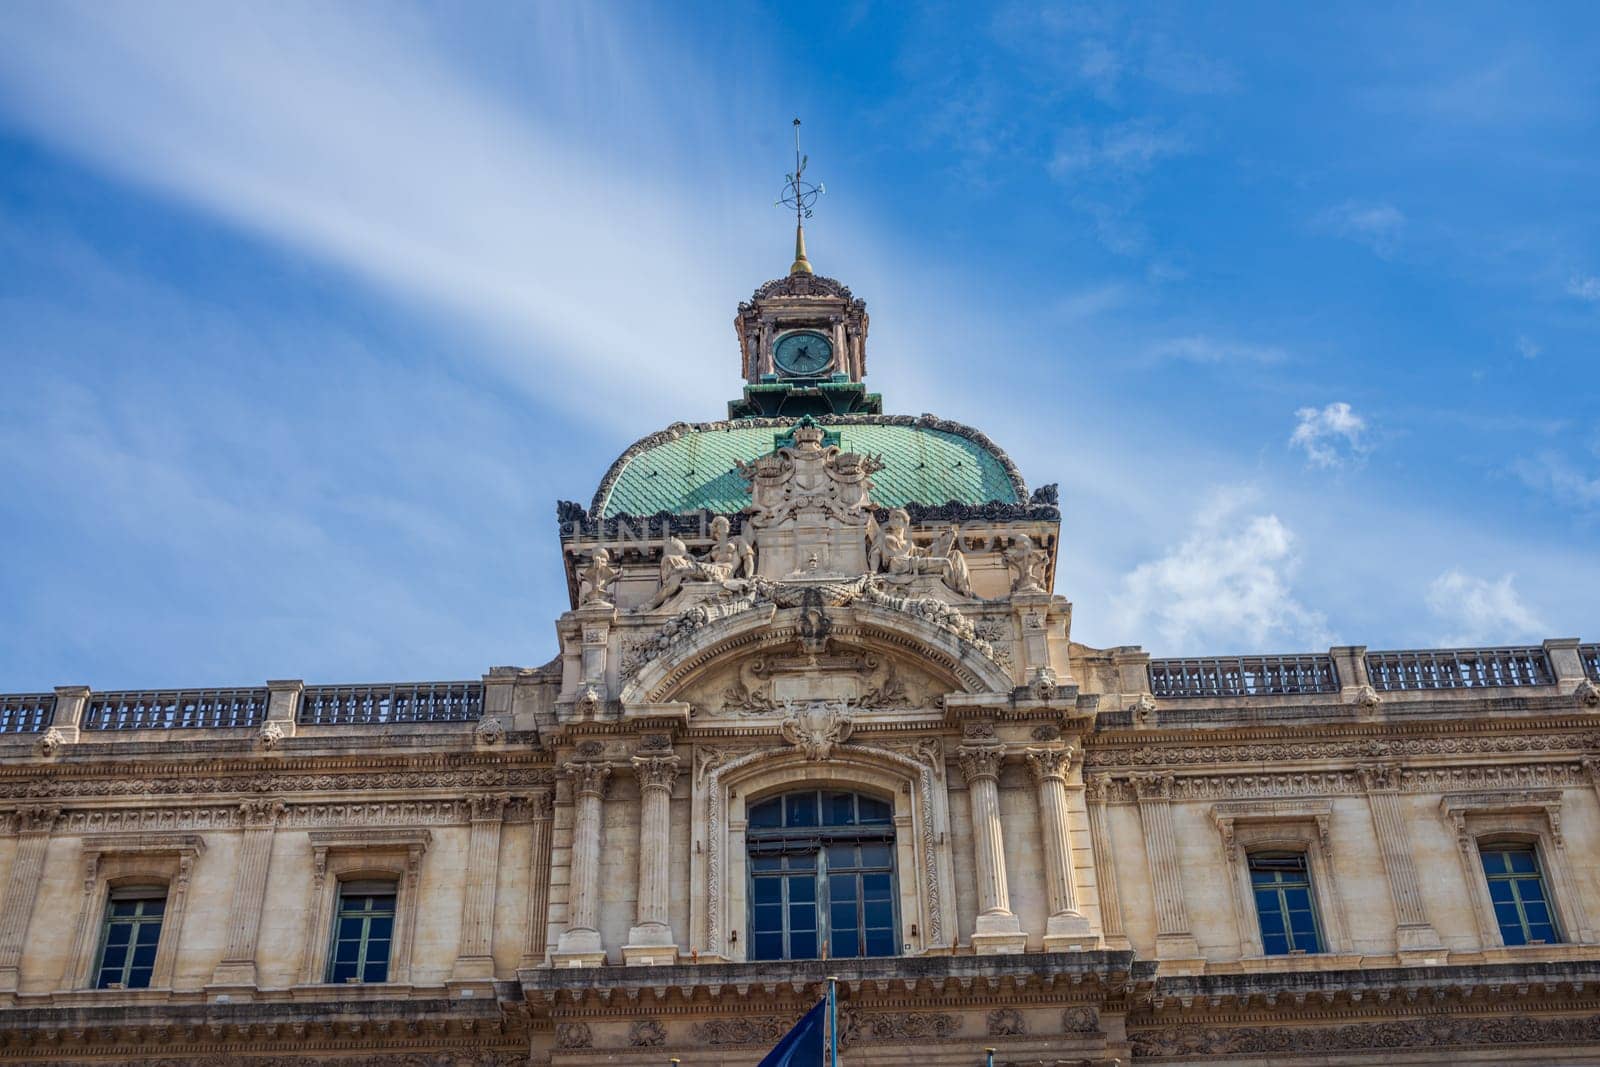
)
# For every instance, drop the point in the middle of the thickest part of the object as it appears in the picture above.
(1379, 777)
(261, 814)
(37, 818)
(1045, 763)
(980, 761)
(488, 807)
(1153, 786)
(656, 772)
(589, 778)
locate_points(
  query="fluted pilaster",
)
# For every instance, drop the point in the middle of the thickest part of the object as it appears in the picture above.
(1413, 932)
(651, 941)
(475, 955)
(581, 941)
(238, 966)
(34, 824)
(1105, 862)
(1173, 937)
(1066, 925)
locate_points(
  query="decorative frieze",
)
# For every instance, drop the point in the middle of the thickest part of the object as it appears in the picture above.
(1435, 1031)
(1351, 748)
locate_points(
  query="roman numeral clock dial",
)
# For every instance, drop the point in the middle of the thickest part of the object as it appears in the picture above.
(802, 353)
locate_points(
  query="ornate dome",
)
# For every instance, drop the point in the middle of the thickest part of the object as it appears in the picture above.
(690, 466)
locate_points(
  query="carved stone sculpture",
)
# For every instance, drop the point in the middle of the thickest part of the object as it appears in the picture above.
(728, 558)
(1027, 565)
(270, 735)
(891, 551)
(490, 731)
(595, 577)
(1588, 693)
(51, 741)
(809, 480)
(815, 728)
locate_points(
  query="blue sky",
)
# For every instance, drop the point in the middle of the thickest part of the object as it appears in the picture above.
(309, 313)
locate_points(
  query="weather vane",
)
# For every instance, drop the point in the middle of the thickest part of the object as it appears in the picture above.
(800, 195)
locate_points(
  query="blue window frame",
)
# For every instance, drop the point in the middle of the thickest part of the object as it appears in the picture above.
(1282, 885)
(822, 877)
(363, 931)
(129, 937)
(1517, 892)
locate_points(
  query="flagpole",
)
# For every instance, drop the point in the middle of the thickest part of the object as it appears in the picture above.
(833, 1021)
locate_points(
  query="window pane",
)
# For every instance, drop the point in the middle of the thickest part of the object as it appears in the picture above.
(768, 891)
(1530, 888)
(1522, 861)
(1494, 862)
(766, 863)
(768, 917)
(842, 889)
(841, 809)
(769, 946)
(155, 907)
(874, 812)
(121, 908)
(343, 972)
(841, 918)
(1536, 912)
(767, 815)
(347, 951)
(875, 855)
(144, 956)
(802, 889)
(1297, 899)
(1275, 944)
(1543, 932)
(119, 933)
(803, 945)
(377, 971)
(115, 957)
(149, 933)
(879, 914)
(802, 917)
(844, 942)
(880, 943)
(841, 856)
(1500, 889)
(802, 809)
(349, 927)
(875, 886)
(380, 926)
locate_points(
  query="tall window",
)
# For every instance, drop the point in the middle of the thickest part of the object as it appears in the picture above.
(1516, 888)
(128, 941)
(363, 930)
(821, 876)
(1282, 884)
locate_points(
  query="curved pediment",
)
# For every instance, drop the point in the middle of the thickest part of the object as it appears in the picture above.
(866, 651)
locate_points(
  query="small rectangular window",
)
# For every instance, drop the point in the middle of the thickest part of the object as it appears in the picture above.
(363, 931)
(1516, 891)
(1282, 886)
(129, 937)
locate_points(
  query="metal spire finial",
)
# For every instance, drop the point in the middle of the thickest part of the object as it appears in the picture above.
(800, 195)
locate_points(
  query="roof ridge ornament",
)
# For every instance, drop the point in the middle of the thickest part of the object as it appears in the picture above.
(800, 195)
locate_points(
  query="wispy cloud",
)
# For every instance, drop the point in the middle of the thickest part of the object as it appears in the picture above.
(1584, 287)
(1557, 477)
(1477, 611)
(1198, 348)
(1127, 147)
(346, 134)
(1227, 585)
(1528, 347)
(1330, 436)
(1376, 225)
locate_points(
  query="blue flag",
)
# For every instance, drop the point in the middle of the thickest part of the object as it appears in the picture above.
(802, 1046)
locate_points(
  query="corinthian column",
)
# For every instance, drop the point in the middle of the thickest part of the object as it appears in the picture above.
(1067, 926)
(475, 954)
(580, 944)
(651, 941)
(1174, 941)
(997, 929)
(238, 966)
(22, 886)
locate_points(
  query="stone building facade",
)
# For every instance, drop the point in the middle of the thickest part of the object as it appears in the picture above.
(816, 711)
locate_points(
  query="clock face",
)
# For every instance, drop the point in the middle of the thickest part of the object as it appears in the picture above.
(802, 352)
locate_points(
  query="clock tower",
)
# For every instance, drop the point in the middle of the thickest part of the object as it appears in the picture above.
(802, 338)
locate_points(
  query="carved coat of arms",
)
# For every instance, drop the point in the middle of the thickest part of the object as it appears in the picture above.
(817, 726)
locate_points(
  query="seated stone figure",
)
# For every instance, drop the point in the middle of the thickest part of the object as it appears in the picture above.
(891, 551)
(727, 559)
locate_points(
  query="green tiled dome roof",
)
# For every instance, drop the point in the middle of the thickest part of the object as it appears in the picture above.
(689, 467)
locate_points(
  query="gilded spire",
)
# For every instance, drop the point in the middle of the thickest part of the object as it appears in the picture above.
(800, 195)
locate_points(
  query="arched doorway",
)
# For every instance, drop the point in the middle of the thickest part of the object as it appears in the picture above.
(822, 876)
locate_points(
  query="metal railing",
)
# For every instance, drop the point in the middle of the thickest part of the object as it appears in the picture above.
(1238, 676)
(1459, 668)
(176, 709)
(1590, 654)
(26, 713)
(361, 705)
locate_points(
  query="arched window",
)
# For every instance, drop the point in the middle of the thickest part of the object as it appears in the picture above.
(129, 937)
(822, 880)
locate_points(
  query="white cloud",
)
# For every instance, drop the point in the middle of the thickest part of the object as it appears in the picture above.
(1584, 287)
(1127, 147)
(1201, 349)
(1480, 612)
(1226, 587)
(1376, 225)
(1331, 436)
(355, 136)
(1528, 347)
(1556, 476)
